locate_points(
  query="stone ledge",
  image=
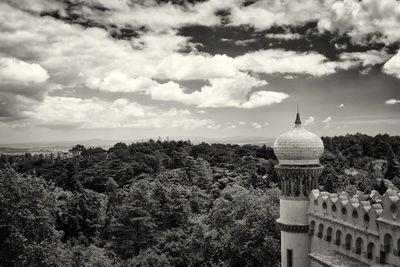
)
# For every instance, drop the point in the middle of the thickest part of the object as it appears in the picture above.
(336, 259)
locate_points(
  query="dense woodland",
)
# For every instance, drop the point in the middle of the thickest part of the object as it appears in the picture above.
(165, 203)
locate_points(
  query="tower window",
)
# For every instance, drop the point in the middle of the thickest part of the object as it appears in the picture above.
(289, 254)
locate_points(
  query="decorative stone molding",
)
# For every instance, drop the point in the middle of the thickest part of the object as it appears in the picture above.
(293, 228)
(298, 181)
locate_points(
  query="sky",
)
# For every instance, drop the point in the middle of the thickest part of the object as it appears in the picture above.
(134, 69)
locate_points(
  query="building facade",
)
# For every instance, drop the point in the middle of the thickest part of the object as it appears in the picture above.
(325, 229)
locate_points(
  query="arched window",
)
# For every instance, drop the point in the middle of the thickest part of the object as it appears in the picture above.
(324, 205)
(371, 251)
(348, 241)
(387, 247)
(354, 214)
(359, 246)
(366, 217)
(398, 247)
(320, 230)
(329, 234)
(344, 213)
(338, 240)
(334, 208)
(387, 243)
(312, 227)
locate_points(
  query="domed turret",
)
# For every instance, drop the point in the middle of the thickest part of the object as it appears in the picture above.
(298, 146)
(298, 152)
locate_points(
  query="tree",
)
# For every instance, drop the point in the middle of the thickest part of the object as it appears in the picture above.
(393, 168)
(133, 228)
(27, 227)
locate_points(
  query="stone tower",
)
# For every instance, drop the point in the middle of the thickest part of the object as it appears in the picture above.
(298, 152)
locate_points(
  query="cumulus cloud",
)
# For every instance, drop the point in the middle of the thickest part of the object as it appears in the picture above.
(392, 66)
(73, 55)
(392, 101)
(341, 105)
(71, 112)
(362, 19)
(222, 92)
(365, 59)
(264, 14)
(116, 81)
(264, 98)
(14, 70)
(359, 19)
(241, 123)
(281, 61)
(200, 66)
(309, 121)
(48, 53)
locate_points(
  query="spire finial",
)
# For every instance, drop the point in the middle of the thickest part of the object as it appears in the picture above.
(298, 121)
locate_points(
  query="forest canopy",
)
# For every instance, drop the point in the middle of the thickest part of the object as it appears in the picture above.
(166, 203)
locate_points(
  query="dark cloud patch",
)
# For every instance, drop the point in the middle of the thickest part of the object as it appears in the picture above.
(73, 18)
(235, 41)
(12, 107)
(125, 32)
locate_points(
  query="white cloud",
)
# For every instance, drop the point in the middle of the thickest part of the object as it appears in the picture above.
(84, 113)
(256, 125)
(200, 66)
(285, 36)
(341, 105)
(309, 121)
(264, 14)
(242, 123)
(70, 112)
(264, 98)
(392, 66)
(362, 19)
(14, 70)
(365, 59)
(163, 16)
(328, 119)
(281, 61)
(327, 122)
(116, 81)
(392, 101)
(222, 92)
(245, 42)
(266, 123)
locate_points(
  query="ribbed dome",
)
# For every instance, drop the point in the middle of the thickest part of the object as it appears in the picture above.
(298, 146)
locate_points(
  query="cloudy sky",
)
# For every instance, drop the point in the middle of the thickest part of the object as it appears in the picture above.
(126, 69)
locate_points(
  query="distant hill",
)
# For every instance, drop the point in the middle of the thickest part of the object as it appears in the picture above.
(65, 146)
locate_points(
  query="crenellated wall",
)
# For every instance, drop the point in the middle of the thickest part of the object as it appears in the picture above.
(365, 227)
